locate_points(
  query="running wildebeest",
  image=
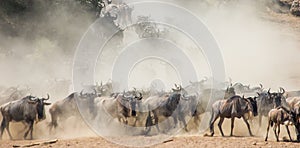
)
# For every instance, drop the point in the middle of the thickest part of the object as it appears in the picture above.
(236, 106)
(27, 110)
(208, 97)
(63, 109)
(119, 105)
(187, 106)
(277, 116)
(162, 107)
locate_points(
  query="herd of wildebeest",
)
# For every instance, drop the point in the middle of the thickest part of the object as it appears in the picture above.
(149, 108)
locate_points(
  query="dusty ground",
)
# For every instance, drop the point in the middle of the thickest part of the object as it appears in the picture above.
(190, 141)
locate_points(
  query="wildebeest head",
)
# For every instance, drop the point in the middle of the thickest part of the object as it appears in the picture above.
(264, 98)
(104, 89)
(89, 95)
(252, 104)
(128, 103)
(230, 91)
(40, 106)
(277, 97)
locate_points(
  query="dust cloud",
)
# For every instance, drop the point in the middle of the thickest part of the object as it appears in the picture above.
(255, 50)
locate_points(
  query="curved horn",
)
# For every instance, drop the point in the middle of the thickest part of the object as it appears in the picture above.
(281, 89)
(81, 92)
(261, 86)
(48, 97)
(176, 85)
(269, 90)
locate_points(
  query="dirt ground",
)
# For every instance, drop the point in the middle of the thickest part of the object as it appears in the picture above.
(188, 141)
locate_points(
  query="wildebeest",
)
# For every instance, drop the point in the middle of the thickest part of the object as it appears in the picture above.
(278, 116)
(295, 93)
(206, 98)
(294, 104)
(119, 105)
(236, 106)
(13, 93)
(267, 101)
(187, 106)
(162, 107)
(125, 14)
(27, 110)
(63, 109)
(240, 88)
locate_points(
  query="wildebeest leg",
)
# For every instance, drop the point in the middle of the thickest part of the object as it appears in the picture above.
(278, 130)
(220, 125)
(297, 131)
(248, 126)
(29, 129)
(175, 119)
(31, 126)
(269, 123)
(274, 129)
(149, 123)
(288, 131)
(147, 130)
(213, 119)
(3, 125)
(181, 118)
(259, 120)
(7, 129)
(196, 120)
(135, 121)
(232, 125)
(53, 123)
(156, 121)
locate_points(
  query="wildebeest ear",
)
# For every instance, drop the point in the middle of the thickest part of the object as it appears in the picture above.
(45, 103)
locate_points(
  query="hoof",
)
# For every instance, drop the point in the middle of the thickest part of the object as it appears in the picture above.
(208, 135)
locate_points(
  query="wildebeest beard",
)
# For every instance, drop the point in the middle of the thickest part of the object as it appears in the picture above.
(172, 103)
(133, 106)
(40, 110)
(254, 107)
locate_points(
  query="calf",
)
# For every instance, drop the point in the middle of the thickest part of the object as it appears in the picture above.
(277, 116)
